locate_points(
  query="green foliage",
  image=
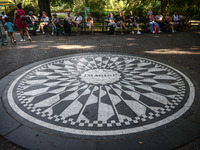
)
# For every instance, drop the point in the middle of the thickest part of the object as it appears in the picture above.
(26, 9)
(100, 8)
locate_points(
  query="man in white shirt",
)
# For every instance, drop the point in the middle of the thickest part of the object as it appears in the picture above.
(4, 16)
(77, 21)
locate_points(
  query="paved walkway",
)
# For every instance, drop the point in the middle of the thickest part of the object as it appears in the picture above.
(181, 50)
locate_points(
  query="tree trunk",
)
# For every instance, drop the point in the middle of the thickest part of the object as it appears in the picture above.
(44, 5)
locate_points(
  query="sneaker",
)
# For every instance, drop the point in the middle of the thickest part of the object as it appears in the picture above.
(122, 33)
(15, 41)
(12, 42)
(159, 31)
(138, 32)
(22, 40)
(43, 33)
(117, 28)
(30, 39)
(153, 32)
(52, 33)
(173, 31)
(37, 30)
(126, 28)
(132, 32)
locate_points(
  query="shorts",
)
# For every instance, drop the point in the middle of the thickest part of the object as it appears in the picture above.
(174, 23)
(10, 33)
(118, 24)
(133, 23)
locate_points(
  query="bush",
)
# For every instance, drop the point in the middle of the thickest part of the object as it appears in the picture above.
(27, 8)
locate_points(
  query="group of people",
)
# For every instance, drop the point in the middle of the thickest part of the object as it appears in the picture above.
(175, 22)
(114, 22)
(19, 21)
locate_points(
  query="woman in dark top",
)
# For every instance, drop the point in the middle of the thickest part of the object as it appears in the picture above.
(119, 21)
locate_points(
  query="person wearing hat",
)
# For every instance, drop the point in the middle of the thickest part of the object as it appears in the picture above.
(54, 21)
(3, 36)
(43, 22)
(33, 18)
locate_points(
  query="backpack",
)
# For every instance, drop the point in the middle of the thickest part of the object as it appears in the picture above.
(22, 19)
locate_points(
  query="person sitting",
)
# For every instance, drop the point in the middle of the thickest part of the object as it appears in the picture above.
(175, 20)
(131, 21)
(181, 19)
(168, 20)
(44, 21)
(89, 22)
(33, 18)
(77, 22)
(110, 21)
(68, 22)
(150, 22)
(54, 21)
(160, 20)
(119, 21)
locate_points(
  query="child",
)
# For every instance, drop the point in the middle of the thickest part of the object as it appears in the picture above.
(9, 28)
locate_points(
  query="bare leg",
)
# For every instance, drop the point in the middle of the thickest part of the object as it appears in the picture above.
(28, 34)
(11, 38)
(76, 27)
(42, 27)
(138, 28)
(121, 28)
(21, 33)
(131, 27)
(39, 27)
(123, 25)
(92, 27)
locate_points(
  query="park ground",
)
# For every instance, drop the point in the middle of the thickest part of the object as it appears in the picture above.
(182, 48)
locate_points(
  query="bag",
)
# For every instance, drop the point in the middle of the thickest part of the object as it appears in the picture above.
(111, 30)
(22, 19)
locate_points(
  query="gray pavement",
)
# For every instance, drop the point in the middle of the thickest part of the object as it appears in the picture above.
(181, 48)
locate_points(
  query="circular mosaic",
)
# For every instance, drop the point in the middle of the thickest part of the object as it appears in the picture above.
(100, 94)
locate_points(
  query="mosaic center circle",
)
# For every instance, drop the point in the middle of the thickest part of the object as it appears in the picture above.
(100, 94)
(100, 76)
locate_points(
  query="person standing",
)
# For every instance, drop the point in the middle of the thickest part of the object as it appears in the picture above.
(20, 20)
(9, 28)
(3, 37)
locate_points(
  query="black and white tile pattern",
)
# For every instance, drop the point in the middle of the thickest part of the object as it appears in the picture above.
(101, 94)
